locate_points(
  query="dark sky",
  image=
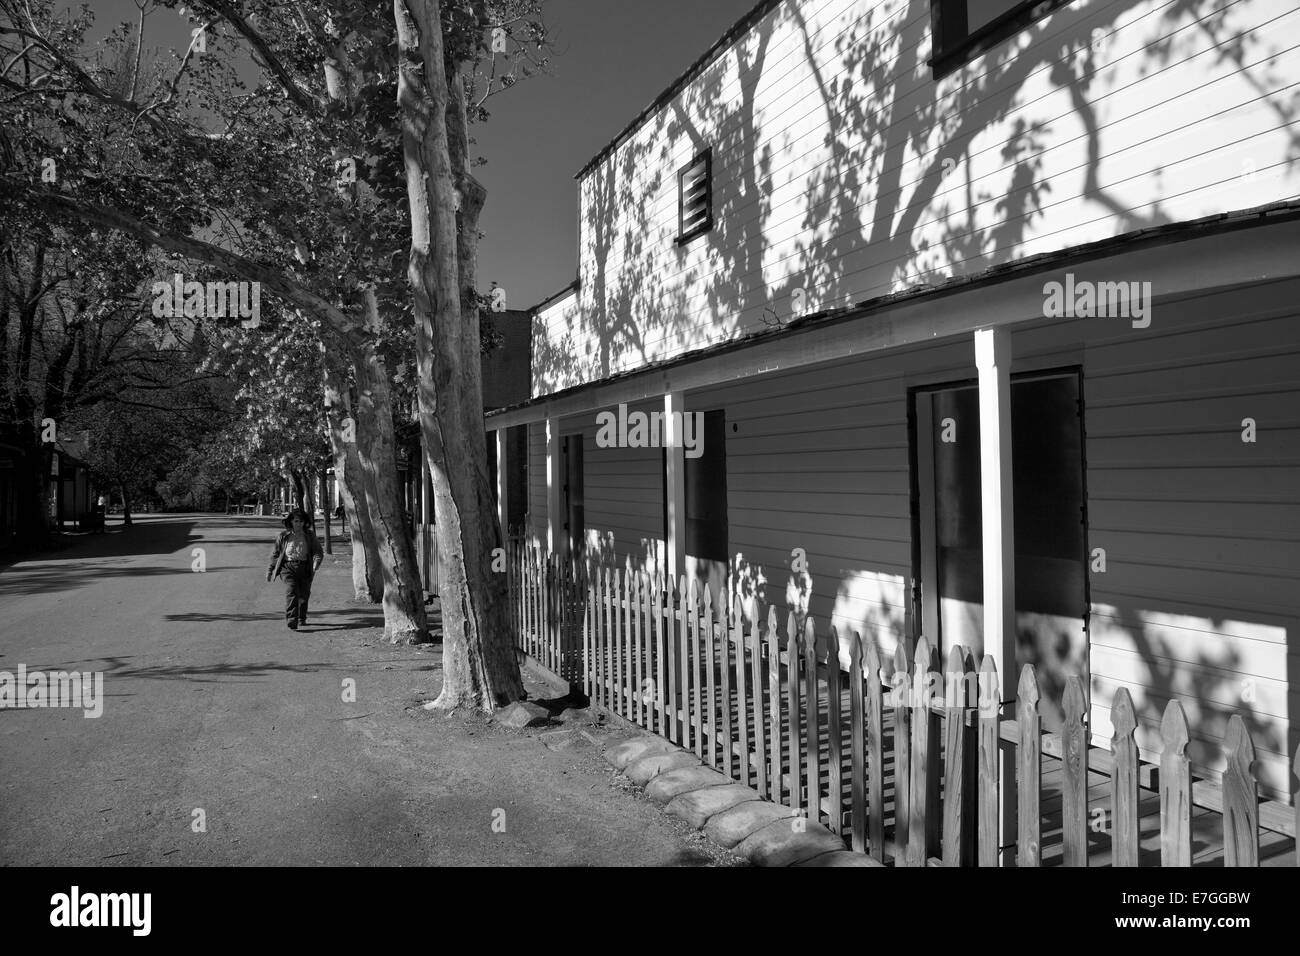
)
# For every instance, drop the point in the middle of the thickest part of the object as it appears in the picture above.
(612, 58)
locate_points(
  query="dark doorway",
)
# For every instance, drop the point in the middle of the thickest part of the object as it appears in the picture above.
(1050, 525)
(575, 512)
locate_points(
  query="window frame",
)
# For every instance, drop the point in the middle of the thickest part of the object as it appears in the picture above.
(705, 156)
(948, 56)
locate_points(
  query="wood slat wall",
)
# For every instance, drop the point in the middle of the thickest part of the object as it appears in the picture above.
(842, 167)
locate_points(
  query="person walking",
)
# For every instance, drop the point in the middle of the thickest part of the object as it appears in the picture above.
(296, 555)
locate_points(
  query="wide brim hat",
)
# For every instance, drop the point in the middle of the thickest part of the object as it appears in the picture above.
(296, 512)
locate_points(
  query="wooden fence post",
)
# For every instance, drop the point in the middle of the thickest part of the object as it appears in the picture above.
(670, 615)
(690, 644)
(1175, 789)
(1028, 772)
(793, 657)
(760, 720)
(637, 674)
(1240, 798)
(684, 661)
(857, 748)
(661, 687)
(697, 689)
(742, 716)
(835, 729)
(922, 834)
(610, 640)
(875, 754)
(774, 692)
(812, 701)
(989, 762)
(900, 690)
(1124, 781)
(724, 665)
(1074, 798)
(711, 697)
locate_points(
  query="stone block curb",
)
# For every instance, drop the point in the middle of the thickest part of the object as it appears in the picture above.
(642, 771)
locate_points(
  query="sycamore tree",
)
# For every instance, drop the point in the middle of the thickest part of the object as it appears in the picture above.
(245, 183)
(450, 57)
(390, 97)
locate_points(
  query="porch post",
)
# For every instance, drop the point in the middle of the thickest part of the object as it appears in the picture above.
(993, 359)
(503, 483)
(554, 488)
(675, 485)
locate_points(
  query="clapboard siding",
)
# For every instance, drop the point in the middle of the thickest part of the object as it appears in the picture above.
(842, 168)
(537, 515)
(1201, 594)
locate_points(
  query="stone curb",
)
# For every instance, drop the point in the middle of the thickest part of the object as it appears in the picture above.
(730, 813)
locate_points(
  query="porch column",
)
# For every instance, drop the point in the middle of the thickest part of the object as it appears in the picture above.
(503, 483)
(554, 488)
(675, 485)
(993, 359)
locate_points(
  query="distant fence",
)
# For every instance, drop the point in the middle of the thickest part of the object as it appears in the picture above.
(756, 703)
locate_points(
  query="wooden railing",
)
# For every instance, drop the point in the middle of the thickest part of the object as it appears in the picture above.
(865, 750)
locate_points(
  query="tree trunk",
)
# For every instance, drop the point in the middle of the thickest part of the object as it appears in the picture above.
(126, 506)
(325, 511)
(404, 617)
(480, 666)
(367, 578)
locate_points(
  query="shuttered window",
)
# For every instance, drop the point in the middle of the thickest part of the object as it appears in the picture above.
(695, 197)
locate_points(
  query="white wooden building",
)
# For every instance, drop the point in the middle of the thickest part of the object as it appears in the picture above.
(849, 246)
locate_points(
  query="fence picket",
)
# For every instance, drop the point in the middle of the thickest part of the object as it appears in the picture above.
(857, 749)
(690, 601)
(609, 639)
(899, 683)
(990, 698)
(1074, 799)
(587, 642)
(812, 708)
(670, 624)
(724, 670)
(1175, 789)
(760, 720)
(697, 680)
(638, 665)
(684, 661)
(1124, 780)
(1028, 772)
(774, 705)
(1240, 798)
(956, 834)
(792, 704)
(711, 697)
(874, 706)
(661, 688)
(742, 713)
(835, 729)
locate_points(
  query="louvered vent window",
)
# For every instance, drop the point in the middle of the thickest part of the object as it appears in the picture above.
(695, 197)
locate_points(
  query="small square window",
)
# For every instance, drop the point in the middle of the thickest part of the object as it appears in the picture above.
(695, 197)
(963, 29)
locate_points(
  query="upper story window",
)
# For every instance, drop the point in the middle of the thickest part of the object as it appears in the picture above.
(695, 197)
(963, 29)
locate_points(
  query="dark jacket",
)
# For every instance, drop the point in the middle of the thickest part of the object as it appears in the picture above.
(315, 554)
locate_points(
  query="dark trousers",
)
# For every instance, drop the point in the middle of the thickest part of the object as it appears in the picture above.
(297, 589)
